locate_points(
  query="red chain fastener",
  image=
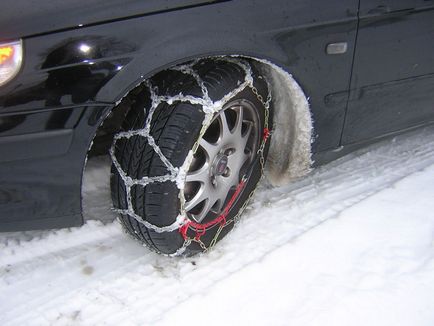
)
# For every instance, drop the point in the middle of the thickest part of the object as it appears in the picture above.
(184, 228)
(200, 229)
(266, 134)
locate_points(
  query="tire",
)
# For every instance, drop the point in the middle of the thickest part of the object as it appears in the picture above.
(176, 128)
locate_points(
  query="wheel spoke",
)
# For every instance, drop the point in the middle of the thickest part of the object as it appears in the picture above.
(200, 196)
(239, 123)
(247, 133)
(227, 184)
(240, 143)
(206, 208)
(246, 157)
(210, 149)
(201, 175)
(225, 132)
(219, 205)
(235, 162)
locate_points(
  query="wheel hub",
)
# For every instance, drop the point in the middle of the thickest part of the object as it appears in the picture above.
(220, 165)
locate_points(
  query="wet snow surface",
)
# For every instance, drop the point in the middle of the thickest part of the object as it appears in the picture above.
(351, 244)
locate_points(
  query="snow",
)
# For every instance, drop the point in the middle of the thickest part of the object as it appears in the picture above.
(350, 244)
(289, 156)
(370, 265)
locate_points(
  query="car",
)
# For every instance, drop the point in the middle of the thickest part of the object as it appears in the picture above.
(194, 101)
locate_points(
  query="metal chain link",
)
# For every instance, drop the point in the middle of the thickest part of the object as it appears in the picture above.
(267, 131)
(176, 173)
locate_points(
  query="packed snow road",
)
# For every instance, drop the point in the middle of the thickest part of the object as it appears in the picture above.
(351, 244)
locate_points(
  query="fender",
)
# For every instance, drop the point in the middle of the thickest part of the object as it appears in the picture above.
(183, 46)
(296, 44)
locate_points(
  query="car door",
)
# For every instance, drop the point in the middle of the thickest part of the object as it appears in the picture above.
(392, 84)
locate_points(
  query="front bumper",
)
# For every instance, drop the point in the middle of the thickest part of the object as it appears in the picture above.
(42, 156)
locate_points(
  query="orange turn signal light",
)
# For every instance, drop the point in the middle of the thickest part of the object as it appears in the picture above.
(6, 52)
(11, 57)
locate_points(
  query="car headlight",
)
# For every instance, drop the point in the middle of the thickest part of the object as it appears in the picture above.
(11, 57)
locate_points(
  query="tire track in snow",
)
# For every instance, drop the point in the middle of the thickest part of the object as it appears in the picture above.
(130, 285)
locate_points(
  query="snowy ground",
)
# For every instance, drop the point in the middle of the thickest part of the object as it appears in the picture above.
(351, 244)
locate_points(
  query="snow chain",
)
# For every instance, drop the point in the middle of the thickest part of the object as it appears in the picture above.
(177, 174)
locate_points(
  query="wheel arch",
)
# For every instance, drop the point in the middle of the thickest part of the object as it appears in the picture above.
(290, 148)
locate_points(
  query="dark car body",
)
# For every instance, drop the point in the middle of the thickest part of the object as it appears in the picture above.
(49, 113)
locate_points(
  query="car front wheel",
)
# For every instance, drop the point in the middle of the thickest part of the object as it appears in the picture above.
(191, 150)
